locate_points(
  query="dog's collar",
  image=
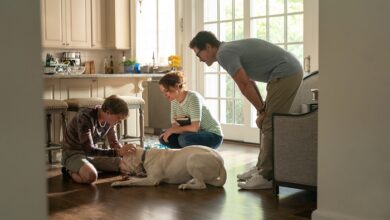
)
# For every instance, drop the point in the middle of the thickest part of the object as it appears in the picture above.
(143, 160)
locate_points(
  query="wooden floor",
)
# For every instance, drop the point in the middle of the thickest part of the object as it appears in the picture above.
(68, 200)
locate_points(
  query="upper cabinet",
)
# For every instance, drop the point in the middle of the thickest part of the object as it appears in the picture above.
(98, 24)
(118, 24)
(92, 24)
(66, 23)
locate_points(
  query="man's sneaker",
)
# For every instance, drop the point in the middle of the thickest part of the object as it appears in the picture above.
(257, 181)
(247, 174)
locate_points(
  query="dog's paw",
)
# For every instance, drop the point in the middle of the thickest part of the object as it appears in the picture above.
(183, 186)
(116, 184)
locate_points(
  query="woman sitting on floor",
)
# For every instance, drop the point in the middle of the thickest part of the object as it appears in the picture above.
(192, 122)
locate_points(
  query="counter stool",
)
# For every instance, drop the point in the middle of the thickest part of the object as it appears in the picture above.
(134, 103)
(54, 107)
(76, 104)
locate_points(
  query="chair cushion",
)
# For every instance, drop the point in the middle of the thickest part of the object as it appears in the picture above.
(132, 100)
(83, 102)
(52, 104)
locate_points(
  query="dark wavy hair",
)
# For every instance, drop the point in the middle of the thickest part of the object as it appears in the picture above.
(115, 105)
(172, 79)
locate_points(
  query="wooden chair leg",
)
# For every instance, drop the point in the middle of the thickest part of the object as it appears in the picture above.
(48, 140)
(141, 126)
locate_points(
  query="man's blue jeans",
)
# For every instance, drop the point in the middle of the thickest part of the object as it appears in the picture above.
(193, 138)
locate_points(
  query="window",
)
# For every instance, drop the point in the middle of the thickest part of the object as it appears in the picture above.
(155, 31)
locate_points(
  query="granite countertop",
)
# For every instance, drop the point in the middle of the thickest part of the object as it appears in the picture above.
(102, 75)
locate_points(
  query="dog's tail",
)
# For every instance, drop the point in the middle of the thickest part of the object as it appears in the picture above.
(221, 179)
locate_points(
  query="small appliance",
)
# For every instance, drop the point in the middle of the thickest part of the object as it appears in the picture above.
(73, 58)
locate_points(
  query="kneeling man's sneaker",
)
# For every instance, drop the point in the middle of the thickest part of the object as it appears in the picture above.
(256, 181)
(248, 174)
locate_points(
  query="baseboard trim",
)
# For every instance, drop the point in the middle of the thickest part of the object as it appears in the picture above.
(329, 215)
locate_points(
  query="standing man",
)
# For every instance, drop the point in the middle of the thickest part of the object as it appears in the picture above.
(247, 61)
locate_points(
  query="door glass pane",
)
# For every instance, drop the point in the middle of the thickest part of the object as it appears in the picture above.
(239, 9)
(259, 28)
(212, 104)
(239, 30)
(258, 8)
(276, 29)
(227, 86)
(294, 6)
(210, 7)
(226, 31)
(276, 7)
(295, 28)
(226, 10)
(211, 85)
(239, 111)
(297, 50)
(227, 111)
(237, 92)
(211, 27)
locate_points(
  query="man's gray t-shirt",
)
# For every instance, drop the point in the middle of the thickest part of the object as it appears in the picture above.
(261, 60)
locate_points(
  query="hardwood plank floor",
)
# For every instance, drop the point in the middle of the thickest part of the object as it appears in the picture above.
(68, 200)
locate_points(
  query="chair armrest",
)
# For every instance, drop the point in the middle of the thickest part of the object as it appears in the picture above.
(295, 147)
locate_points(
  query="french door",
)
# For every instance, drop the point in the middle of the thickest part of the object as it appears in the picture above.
(277, 21)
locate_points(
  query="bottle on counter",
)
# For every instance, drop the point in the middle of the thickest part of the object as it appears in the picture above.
(106, 70)
(111, 65)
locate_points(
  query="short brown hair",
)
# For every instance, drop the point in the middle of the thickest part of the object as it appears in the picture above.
(172, 79)
(116, 106)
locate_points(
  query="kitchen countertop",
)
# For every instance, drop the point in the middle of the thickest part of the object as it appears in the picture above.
(102, 75)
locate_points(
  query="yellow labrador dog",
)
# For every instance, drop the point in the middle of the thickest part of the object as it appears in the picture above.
(192, 167)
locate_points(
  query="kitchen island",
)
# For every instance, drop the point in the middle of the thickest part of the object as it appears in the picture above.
(62, 87)
(59, 86)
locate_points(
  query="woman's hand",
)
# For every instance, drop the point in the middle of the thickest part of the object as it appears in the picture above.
(126, 150)
(167, 133)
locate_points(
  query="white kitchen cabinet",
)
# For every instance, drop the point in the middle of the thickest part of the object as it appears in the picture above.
(66, 23)
(51, 89)
(78, 88)
(98, 13)
(118, 24)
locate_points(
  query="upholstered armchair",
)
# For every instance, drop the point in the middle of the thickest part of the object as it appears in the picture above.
(295, 140)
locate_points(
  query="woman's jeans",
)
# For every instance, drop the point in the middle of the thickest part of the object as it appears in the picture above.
(193, 138)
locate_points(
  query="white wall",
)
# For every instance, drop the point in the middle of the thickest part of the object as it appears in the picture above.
(22, 161)
(354, 119)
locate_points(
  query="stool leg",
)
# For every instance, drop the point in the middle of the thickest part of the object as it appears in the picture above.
(48, 141)
(124, 129)
(141, 126)
(63, 123)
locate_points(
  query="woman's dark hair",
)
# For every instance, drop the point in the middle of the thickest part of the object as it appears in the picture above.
(172, 79)
(116, 106)
(202, 38)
